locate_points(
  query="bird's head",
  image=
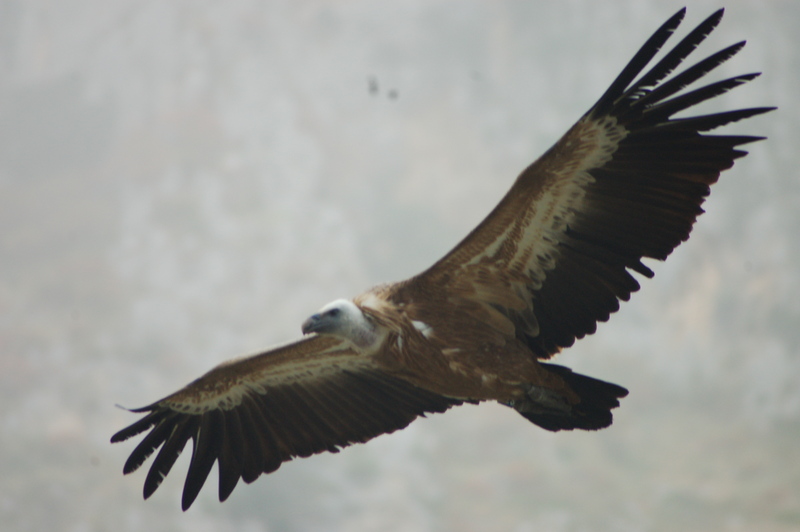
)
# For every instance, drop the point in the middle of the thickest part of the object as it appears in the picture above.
(341, 318)
(331, 318)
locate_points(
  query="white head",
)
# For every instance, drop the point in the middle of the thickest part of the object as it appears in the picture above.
(343, 318)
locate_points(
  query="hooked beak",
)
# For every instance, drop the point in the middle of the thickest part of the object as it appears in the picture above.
(312, 324)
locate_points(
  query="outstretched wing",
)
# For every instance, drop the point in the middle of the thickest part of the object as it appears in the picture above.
(626, 182)
(252, 414)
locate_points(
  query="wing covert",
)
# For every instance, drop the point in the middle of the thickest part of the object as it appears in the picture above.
(251, 415)
(627, 181)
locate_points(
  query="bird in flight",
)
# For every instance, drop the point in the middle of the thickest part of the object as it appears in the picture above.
(553, 258)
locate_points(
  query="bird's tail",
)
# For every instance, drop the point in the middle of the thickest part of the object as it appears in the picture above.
(553, 412)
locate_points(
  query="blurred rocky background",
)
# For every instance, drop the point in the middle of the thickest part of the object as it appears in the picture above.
(184, 182)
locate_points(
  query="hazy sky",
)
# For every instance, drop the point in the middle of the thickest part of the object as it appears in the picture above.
(184, 182)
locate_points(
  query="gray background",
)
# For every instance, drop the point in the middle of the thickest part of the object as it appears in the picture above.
(183, 182)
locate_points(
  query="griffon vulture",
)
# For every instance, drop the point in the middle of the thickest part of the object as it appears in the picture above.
(551, 260)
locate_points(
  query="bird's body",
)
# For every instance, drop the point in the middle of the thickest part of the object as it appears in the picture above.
(469, 363)
(555, 256)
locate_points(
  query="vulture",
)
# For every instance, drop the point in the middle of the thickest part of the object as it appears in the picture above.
(553, 258)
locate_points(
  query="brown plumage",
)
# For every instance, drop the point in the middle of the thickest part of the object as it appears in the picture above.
(551, 260)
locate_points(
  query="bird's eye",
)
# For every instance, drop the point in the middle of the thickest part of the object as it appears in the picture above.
(333, 312)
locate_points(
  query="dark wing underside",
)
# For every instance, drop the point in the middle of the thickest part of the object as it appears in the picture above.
(252, 415)
(626, 182)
